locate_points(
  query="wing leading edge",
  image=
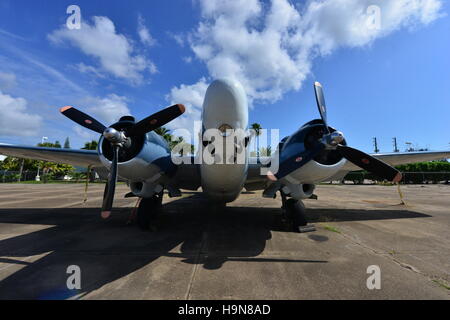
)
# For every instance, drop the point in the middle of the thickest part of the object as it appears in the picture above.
(82, 158)
(398, 158)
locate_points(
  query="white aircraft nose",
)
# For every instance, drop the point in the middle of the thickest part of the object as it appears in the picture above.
(225, 103)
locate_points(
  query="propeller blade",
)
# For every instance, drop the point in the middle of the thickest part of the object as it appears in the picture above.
(82, 119)
(110, 188)
(157, 120)
(294, 162)
(320, 99)
(369, 163)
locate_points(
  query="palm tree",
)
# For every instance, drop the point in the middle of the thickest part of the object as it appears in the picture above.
(164, 132)
(257, 127)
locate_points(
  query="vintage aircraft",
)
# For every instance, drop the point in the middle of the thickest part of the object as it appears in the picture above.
(133, 151)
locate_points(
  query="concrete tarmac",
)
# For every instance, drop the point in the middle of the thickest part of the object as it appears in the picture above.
(243, 252)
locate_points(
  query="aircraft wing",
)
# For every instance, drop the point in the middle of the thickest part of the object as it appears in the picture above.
(82, 158)
(256, 181)
(398, 158)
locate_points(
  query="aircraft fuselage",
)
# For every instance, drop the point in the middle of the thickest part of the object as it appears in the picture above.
(224, 108)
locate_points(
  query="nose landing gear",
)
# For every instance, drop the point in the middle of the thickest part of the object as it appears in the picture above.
(148, 211)
(293, 215)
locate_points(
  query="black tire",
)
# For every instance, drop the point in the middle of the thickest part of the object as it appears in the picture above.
(295, 211)
(148, 211)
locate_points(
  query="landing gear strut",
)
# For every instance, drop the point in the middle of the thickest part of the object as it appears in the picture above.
(148, 211)
(293, 213)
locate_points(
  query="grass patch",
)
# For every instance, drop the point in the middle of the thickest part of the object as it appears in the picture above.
(331, 228)
(441, 284)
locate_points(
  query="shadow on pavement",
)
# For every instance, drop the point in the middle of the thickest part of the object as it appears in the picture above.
(109, 250)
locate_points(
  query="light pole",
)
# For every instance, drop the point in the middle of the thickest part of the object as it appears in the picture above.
(38, 178)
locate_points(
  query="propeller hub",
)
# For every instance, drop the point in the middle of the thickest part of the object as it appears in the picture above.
(333, 139)
(114, 136)
(336, 137)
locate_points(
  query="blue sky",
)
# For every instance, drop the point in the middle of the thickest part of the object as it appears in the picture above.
(388, 82)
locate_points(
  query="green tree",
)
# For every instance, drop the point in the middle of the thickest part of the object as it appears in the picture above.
(13, 164)
(257, 128)
(90, 145)
(266, 152)
(181, 145)
(164, 132)
(174, 141)
(67, 143)
(51, 170)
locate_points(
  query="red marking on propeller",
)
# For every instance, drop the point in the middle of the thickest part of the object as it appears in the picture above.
(271, 176)
(88, 121)
(106, 214)
(397, 178)
(153, 121)
(298, 159)
(365, 161)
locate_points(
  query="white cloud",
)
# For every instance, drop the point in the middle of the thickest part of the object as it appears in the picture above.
(7, 81)
(114, 51)
(178, 37)
(192, 98)
(144, 35)
(15, 121)
(187, 59)
(85, 134)
(270, 48)
(107, 109)
(83, 68)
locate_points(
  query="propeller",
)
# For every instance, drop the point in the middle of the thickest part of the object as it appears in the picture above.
(320, 99)
(120, 139)
(332, 141)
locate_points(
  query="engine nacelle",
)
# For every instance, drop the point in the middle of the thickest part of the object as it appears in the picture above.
(299, 191)
(323, 166)
(144, 164)
(314, 172)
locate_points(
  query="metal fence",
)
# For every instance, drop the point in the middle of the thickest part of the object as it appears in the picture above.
(408, 178)
(352, 177)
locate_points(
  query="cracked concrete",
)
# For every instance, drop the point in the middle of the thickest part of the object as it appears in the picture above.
(240, 253)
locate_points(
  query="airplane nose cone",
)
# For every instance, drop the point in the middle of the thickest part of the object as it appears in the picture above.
(225, 104)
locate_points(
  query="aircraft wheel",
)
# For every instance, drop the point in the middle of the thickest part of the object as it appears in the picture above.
(295, 211)
(148, 211)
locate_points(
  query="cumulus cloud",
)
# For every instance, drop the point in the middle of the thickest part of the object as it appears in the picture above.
(83, 68)
(115, 52)
(192, 97)
(179, 38)
(107, 109)
(144, 34)
(271, 47)
(15, 121)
